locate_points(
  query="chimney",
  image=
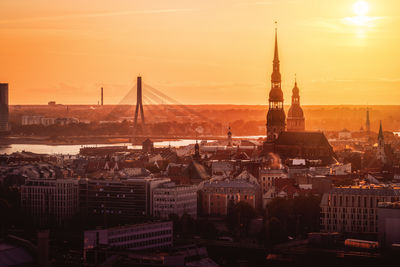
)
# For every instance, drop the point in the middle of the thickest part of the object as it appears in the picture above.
(101, 95)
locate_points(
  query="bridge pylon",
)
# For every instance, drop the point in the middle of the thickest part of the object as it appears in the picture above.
(138, 112)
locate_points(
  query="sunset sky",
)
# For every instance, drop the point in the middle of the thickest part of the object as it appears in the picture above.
(208, 51)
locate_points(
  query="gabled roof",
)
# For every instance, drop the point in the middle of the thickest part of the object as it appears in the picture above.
(311, 139)
(196, 172)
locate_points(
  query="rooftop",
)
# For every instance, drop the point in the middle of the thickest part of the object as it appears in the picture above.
(379, 190)
(230, 184)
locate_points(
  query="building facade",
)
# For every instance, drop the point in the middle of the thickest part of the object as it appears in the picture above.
(37, 120)
(123, 198)
(218, 196)
(388, 223)
(170, 198)
(48, 200)
(268, 176)
(144, 236)
(354, 209)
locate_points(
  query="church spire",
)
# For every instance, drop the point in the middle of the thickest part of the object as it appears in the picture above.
(381, 145)
(276, 118)
(380, 136)
(295, 93)
(276, 75)
(276, 55)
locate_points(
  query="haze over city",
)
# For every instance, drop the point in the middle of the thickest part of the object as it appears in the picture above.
(199, 133)
(200, 52)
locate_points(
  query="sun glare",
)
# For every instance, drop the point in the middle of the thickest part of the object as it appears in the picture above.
(361, 19)
(361, 8)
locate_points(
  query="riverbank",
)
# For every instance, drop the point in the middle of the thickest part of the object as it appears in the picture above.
(104, 139)
(86, 140)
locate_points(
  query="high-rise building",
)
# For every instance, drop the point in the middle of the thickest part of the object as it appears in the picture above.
(170, 198)
(126, 198)
(295, 119)
(4, 107)
(355, 209)
(48, 200)
(388, 223)
(276, 115)
(144, 236)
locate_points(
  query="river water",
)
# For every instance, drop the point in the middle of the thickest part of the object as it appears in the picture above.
(74, 149)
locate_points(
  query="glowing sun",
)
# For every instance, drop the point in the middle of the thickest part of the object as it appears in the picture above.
(361, 8)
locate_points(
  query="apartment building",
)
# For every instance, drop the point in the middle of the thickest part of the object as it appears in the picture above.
(170, 198)
(144, 236)
(354, 209)
(50, 199)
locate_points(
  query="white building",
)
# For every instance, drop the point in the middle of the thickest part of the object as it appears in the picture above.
(175, 199)
(37, 120)
(344, 134)
(41, 120)
(354, 209)
(134, 237)
(54, 199)
(268, 176)
(341, 169)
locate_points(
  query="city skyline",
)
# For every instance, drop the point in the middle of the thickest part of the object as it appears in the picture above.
(199, 53)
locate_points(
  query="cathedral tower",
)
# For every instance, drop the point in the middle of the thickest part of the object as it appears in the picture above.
(229, 136)
(276, 115)
(380, 153)
(368, 123)
(295, 120)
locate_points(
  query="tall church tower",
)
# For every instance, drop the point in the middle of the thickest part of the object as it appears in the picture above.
(229, 136)
(295, 120)
(380, 153)
(367, 123)
(276, 115)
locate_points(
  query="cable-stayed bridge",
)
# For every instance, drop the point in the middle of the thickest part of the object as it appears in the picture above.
(151, 105)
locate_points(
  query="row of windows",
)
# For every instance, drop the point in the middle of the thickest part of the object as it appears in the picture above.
(151, 243)
(352, 210)
(349, 222)
(140, 236)
(136, 229)
(366, 201)
(352, 228)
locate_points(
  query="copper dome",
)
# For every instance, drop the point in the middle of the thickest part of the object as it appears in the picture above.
(295, 111)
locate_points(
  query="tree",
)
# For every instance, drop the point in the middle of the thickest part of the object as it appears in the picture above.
(239, 217)
(298, 216)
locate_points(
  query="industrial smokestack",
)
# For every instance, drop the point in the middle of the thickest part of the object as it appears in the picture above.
(101, 95)
(4, 107)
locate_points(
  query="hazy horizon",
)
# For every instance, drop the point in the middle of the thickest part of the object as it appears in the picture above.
(211, 52)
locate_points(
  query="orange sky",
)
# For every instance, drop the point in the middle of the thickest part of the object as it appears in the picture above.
(209, 51)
